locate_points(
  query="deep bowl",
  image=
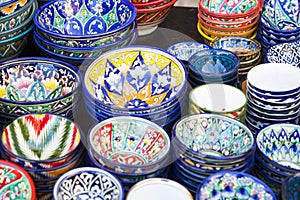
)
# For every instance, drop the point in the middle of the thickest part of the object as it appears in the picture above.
(89, 183)
(213, 137)
(37, 85)
(129, 144)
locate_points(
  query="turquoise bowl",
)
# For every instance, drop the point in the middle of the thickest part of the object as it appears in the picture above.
(290, 189)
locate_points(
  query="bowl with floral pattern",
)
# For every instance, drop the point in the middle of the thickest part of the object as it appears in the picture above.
(31, 85)
(16, 183)
(213, 137)
(129, 144)
(46, 139)
(135, 79)
(234, 185)
(92, 22)
(291, 187)
(88, 183)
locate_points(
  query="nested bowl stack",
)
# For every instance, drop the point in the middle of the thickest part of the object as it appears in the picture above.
(150, 14)
(38, 85)
(227, 18)
(130, 148)
(218, 98)
(16, 19)
(213, 66)
(205, 144)
(234, 185)
(277, 155)
(16, 183)
(75, 31)
(279, 23)
(136, 81)
(248, 50)
(45, 145)
(88, 183)
(273, 92)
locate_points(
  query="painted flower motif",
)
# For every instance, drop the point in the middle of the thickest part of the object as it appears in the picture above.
(68, 10)
(98, 8)
(50, 83)
(291, 6)
(10, 9)
(22, 2)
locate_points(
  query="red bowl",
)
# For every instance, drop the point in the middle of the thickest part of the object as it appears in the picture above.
(151, 4)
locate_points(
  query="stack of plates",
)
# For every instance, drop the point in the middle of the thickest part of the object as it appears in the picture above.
(273, 91)
(45, 145)
(207, 143)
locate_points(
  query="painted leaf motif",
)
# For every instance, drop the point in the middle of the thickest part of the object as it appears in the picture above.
(14, 93)
(56, 93)
(36, 92)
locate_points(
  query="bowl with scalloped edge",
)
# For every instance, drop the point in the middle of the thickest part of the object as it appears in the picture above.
(31, 85)
(91, 23)
(129, 144)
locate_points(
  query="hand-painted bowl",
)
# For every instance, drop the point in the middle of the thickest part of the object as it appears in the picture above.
(135, 79)
(290, 188)
(44, 138)
(16, 183)
(37, 84)
(219, 99)
(129, 144)
(88, 183)
(152, 4)
(85, 21)
(233, 185)
(213, 137)
(279, 144)
(285, 53)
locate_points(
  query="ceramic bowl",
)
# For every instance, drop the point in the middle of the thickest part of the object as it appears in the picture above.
(245, 48)
(96, 22)
(151, 189)
(137, 2)
(285, 53)
(145, 20)
(137, 145)
(88, 182)
(281, 35)
(41, 138)
(228, 184)
(217, 98)
(58, 84)
(153, 78)
(150, 5)
(16, 182)
(213, 137)
(278, 144)
(290, 187)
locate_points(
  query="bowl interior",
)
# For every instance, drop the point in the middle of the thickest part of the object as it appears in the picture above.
(135, 78)
(129, 140)
(40, 137)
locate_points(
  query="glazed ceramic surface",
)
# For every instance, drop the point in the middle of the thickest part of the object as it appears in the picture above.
(185, 50)
(213, 136)
(291, 187)
(128, 143)
(135, 78)
(15, 182)
(280, 143)
(87, 183)
(234, 185)
(40, 137)
(288, 53)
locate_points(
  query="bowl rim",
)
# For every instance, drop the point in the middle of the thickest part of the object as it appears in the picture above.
(8, 3)
(158, 8)
(65, 36)
(16, 37)
(96, 127)
(149, 3)
(80, 170)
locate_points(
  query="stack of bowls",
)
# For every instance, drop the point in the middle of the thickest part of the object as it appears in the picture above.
(279, 22)
(88, 183)
(130, 148)
(45, 145)
(76, 31)
(36, 85)
(16, 183)
(273, 92)
(287, 52)
(227, 18)
(218, 98)
(204, 144)
(213, 66)
(15, 25)
(290, 188)
(136, 81)
(151, 13)
(248, 51)
(234, 185)
(277, 155)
